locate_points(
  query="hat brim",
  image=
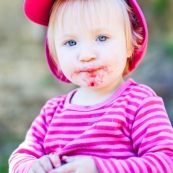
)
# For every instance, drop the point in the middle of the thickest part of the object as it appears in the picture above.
(38, 11)
(139, 54)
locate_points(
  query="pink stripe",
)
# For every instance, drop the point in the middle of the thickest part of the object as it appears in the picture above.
(157, 163)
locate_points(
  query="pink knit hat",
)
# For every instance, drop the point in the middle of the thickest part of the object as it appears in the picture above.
(38, 11)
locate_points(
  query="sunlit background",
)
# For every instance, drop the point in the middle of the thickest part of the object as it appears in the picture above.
(25, 80)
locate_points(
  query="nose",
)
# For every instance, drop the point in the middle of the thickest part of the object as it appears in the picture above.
(87, 54)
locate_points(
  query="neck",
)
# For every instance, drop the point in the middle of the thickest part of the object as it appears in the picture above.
(89, 96)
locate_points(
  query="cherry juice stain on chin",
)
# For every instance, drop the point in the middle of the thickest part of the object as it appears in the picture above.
(94, 79)
(92, 84)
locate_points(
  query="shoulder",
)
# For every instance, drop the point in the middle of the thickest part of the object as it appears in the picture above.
(139, 90)
(137, 94)
(48, 110)
(57, 104)
(52, 104)
(143, 101)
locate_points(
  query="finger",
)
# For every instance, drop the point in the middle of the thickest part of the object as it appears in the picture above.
(69, 159)
(55, 160)
(67, 168)
(46, 163)
(37, 168)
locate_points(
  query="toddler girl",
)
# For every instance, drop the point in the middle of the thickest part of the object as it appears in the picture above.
(108, 124)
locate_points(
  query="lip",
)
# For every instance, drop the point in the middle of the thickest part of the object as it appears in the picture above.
(89, 70)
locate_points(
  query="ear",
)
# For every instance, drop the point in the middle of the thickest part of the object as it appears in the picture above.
(130, 50)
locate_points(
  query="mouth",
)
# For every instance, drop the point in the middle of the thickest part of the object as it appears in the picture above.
(90, 70)
(92, 76)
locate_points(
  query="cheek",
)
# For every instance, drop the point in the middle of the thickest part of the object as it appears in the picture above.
(65, 61)
(67, 68)
(116, 61)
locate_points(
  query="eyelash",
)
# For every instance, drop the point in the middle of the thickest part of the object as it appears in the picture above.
(71, 41)
(100, 38)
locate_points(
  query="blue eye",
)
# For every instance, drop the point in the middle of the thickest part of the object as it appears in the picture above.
(71, 43)
(102, 38)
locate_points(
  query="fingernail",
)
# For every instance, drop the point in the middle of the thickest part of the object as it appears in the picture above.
(65, 158)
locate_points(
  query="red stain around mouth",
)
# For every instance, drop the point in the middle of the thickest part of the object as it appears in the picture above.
(92, 76)
(94, 79)
(92, 84)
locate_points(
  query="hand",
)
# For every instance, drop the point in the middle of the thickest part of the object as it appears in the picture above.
(45, 164)
(77, 164)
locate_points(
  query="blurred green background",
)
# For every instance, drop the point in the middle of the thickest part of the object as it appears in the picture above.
(25, 80)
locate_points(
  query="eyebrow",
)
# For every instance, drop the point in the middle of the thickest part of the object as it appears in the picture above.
(93, 31)
(65, 37)
(69, 34)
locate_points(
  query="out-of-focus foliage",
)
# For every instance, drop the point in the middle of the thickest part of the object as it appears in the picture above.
(169, 49)
(158, 13)
(160, 6)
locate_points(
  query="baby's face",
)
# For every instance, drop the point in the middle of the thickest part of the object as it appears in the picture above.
(91, 49)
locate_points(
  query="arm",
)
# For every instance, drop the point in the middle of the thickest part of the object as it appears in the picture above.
(152, 139)
(25, 156)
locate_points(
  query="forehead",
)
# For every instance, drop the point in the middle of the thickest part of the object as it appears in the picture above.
(72, 14)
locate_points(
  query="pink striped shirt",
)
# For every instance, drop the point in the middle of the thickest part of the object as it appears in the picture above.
(128, 133)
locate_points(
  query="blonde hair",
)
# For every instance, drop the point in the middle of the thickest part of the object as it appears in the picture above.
(132, 31)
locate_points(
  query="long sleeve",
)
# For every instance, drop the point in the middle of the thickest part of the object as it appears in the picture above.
(152, 140)
(32, 148)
